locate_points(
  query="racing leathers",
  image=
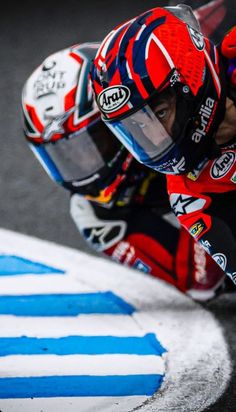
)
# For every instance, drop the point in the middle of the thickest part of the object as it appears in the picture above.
(204, 200)
(138, 229)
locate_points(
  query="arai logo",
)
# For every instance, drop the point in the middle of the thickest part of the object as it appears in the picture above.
(222, 165)
(113, 98)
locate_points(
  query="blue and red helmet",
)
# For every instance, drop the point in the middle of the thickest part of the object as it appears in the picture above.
(63, 126)
(161, 56)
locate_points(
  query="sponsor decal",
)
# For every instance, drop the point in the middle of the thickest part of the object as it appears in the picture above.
(95, 235)
(195, 173)
(206, 245)
(56, 126)
(197, 228)
(233, 277)
(175, 78)
(129, 255)
(220, 259)
(184, 204)
(124, 252)
(113, 98)
(48, 65)
(173, 166)
(222, 165)
(205, 119)
(140, 265)
(49, 81)
(120, 251)
(180, 167)
(197, 38)
(233, 178)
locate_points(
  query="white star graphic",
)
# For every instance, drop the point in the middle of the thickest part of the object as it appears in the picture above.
(55, 126)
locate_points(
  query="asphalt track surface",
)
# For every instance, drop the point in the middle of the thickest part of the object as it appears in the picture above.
(30, 202)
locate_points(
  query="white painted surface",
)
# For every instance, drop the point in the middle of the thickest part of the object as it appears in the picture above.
(29, 284)
(198, 366)
(60, 326)
(101, 365)
(98, 404)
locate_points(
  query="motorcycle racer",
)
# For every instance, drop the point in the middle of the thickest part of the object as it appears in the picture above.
(114, 199)
(168, 94)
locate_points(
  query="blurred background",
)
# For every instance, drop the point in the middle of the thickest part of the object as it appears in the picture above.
(30, 202)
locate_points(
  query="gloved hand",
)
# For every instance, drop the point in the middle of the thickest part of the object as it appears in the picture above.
(100, 234)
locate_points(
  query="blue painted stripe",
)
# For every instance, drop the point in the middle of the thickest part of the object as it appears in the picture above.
(64, 304)
(15, 265)
(86, 345)
(47, 163)
(55, 386)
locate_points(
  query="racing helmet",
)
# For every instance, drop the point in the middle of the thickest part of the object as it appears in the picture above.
(64, 129)
(160, 86)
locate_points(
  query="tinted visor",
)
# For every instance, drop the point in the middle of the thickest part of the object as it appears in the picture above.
(84, 153)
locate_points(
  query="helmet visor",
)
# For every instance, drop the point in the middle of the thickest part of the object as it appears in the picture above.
(148, 133)
(81, 155)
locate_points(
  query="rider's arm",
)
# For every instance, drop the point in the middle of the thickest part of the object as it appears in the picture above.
(132, 240)
(208, 227)
(148, 242)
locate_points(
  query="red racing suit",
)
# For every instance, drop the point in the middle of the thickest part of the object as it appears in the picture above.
(139, 230)
(204, 201)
